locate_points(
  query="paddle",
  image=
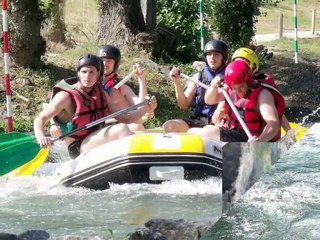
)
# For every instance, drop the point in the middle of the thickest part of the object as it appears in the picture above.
(25, 157)
(225, 94)
(19, 149)
(9, 139)
(299, 130)
(103, 119)
(125, 79)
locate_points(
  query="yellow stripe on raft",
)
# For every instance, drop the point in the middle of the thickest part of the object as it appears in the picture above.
(32, 166)
(168, 143)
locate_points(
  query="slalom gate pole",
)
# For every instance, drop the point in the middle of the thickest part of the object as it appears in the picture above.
(295, 32)
(201, 25)
(7, 65)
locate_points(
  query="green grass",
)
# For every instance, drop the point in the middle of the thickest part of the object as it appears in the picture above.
(307, 48)
(270, 23)
(81, 17)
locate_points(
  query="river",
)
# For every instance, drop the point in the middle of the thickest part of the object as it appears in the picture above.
(284, 204)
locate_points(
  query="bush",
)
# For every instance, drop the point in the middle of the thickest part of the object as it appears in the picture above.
(232, 20)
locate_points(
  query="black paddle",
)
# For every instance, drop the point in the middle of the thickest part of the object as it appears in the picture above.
(103, 119)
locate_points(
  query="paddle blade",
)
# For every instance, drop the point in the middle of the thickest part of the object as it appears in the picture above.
(32, 166)
(299, 131)
(17, 155)
(10, 139)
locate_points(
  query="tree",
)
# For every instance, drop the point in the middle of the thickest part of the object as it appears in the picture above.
(56, 28)
(26, 44)
(120, 21)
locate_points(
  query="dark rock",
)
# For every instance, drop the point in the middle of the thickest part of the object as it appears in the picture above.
(34, 235)
(178, 229)
(146, 234)
(8, 236)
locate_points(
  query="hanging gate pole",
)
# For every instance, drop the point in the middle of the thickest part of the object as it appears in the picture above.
(201, 25)
(6, 59)
(295, 32)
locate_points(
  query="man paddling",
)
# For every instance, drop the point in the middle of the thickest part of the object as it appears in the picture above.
(261, 107)
(216, 56)
(250, 57)
(111, 57)
(79, 102)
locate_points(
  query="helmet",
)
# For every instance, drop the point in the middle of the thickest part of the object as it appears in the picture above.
(217, 46)
(111, 52)
(91, 60)
(238, 72)
(249, 55)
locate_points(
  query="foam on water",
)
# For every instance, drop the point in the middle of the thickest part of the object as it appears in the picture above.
(285, 203)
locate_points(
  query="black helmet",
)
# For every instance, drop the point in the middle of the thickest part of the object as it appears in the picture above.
(91, 60)
(111, 52)
(217, 46)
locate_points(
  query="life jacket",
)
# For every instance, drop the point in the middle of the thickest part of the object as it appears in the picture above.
(247, 107)
(201, 109)
(89, 107)
(112, 82)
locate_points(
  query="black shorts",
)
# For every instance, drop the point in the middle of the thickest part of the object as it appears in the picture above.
(194, 121)
(74, 149)
(230, 135)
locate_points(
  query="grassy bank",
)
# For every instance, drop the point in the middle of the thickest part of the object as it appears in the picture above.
(269, 22)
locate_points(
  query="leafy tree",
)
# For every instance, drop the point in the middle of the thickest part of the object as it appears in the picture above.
(182, 16)
(234, 20)
(230, 20)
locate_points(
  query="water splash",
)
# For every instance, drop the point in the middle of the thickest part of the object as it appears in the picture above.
(312, 114)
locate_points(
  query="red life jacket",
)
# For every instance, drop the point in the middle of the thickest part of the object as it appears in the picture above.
(89, 107)
(112, 82)
(247, 108)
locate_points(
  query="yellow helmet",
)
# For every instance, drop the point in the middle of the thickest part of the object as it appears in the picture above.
(249, 55)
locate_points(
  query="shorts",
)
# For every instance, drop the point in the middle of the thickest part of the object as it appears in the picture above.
(74, 149)
(194, 121)
(230, 135)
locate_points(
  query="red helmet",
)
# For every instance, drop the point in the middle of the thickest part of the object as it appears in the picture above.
(238, 72)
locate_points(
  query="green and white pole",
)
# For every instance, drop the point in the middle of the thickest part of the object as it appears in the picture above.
(201, 25)
(295, 32)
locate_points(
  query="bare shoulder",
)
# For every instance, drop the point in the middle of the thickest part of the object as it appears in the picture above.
(61, 97)
(126, 89)
(265, 94)
(265, 97)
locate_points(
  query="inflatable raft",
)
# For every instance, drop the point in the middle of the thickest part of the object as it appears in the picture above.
(144, 158)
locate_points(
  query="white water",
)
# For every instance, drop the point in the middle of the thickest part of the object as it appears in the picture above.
(284, 204)
(39, 203)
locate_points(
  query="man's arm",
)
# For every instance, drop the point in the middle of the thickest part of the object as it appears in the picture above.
(213, 94)
(55, 106)
(117, 102)
(285, 123)
(184, 97)
(141, 76)
(269, 114)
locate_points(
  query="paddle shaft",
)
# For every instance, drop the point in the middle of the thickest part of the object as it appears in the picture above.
(103, 119)
(124, 80)
(225, 94)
